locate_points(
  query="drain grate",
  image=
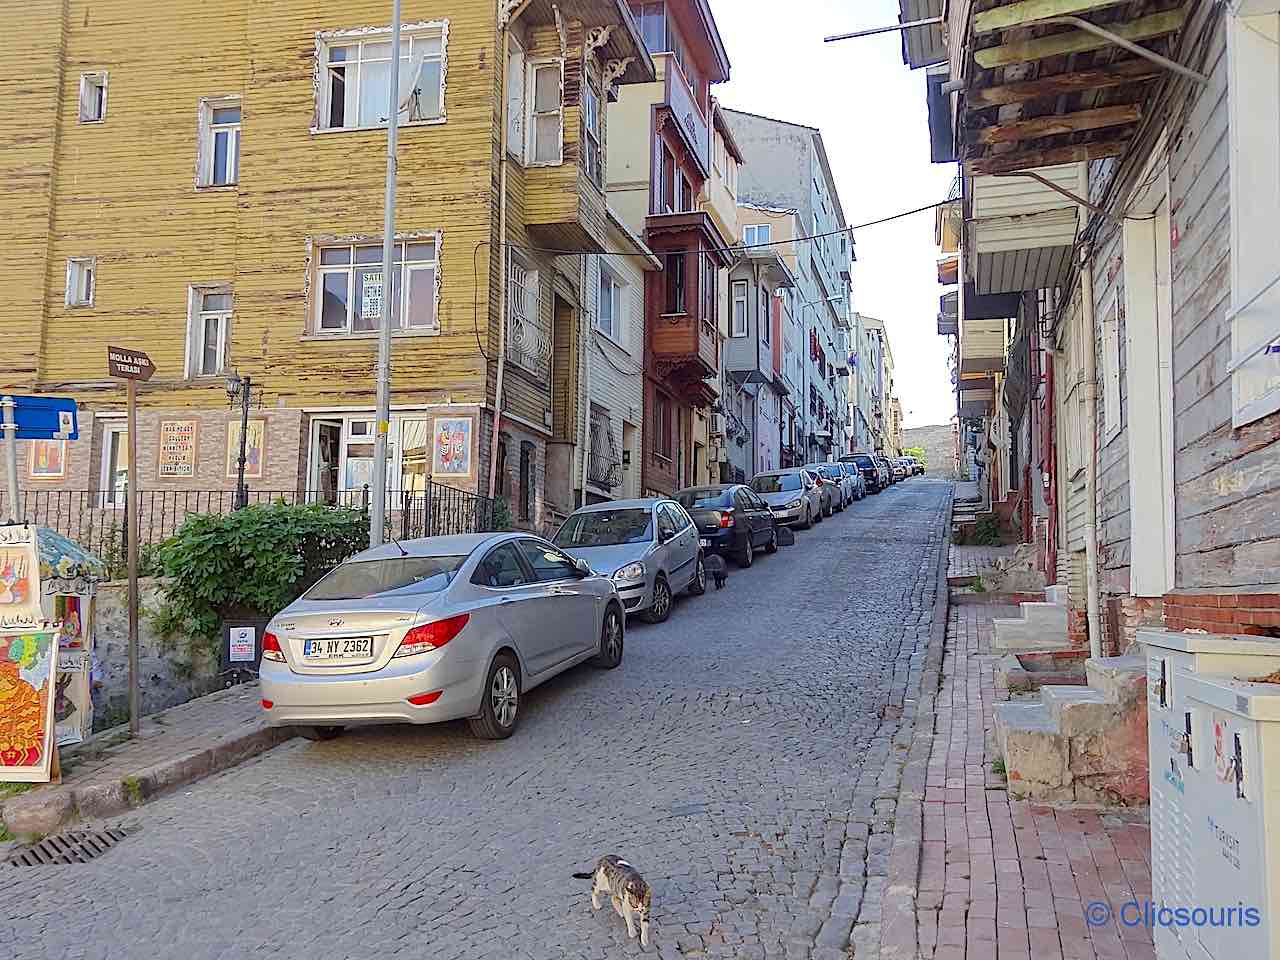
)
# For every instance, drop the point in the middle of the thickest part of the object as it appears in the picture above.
(74, 846)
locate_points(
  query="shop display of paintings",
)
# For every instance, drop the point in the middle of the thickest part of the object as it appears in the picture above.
(28, 694)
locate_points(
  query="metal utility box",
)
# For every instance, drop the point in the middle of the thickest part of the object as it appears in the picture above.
(1173, 659)
(1235, 814)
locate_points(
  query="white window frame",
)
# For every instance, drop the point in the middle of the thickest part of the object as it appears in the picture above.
(764, 318)
(592, 132)
(532, 115)
(96, 81)
(1111, 415)
(106, 487)
(1253, 97)
(616, 299)
(738, 325)
(516, 83)
(197, 318)
(319, 270)
(78, 267)
(410, 33)
(207, 132)
(757, 233)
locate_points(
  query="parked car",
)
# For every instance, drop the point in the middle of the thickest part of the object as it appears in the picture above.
(793, 495)
(855, 478)
(867, 466)
(918, 464)
(886, 471)
(834, 477)
(436, 629)
(648, 547)
(732, 520)
(899, 467)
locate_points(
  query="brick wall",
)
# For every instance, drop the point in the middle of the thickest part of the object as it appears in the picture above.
(1251, 614)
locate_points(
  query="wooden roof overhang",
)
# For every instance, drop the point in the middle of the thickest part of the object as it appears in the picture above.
(1036, 93)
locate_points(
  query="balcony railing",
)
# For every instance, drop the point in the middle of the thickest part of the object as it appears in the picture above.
(684, 106)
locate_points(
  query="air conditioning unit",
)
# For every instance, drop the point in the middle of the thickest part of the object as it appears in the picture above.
(1178, 752)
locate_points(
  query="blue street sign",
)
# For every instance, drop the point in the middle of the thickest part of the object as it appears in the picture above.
(45, 418)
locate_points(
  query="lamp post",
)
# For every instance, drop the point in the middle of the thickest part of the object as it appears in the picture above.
(239, 388)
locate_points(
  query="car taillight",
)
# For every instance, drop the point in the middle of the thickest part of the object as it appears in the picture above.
(431, 636)
(271, 648)
(422, 699)
(726, 518)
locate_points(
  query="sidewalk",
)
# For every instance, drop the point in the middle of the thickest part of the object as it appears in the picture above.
(110, 774)
(1010, 880)
(966, 562)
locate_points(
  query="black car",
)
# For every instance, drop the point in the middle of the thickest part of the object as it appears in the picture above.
(732, 520)
(866, 465)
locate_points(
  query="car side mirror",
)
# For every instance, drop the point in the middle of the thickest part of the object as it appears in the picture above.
(583, 568)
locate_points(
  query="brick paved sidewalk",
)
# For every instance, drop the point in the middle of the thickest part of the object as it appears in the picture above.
(1007, 880)
(966, 561)
(108, 774)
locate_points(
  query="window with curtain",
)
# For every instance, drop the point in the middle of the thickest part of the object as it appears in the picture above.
(356, 79)
(349, 287)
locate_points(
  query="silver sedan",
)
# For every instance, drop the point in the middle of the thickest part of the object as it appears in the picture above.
(436, 629)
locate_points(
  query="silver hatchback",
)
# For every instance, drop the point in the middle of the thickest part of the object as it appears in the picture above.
(436, 629)
(650, 549)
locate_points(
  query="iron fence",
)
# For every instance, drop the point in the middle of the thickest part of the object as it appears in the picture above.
(97, 521)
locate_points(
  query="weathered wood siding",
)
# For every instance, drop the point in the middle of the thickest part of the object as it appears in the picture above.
(1227, 480)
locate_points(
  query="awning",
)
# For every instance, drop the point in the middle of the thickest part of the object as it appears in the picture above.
(64, 563)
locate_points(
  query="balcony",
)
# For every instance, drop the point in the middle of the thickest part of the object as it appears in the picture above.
(564, 209)
(689, 118)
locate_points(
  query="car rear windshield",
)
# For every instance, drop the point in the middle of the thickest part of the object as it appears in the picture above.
(776, 483)
(864, 461)
(705, 499)
(606, 528)
(371, 578)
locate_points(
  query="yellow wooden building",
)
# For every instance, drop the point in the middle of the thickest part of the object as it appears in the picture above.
(204, 182)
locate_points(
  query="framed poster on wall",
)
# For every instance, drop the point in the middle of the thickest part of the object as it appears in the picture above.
(451, 453)
(46, 459)
(28, 668)
(178, 449)
(254, 449)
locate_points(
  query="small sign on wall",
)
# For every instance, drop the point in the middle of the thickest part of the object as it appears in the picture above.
(46, 459)
(178, 449)
(242, 644)
(254, 449)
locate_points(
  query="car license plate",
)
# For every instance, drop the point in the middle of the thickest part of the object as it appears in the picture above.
(704, 542)
(347, 648)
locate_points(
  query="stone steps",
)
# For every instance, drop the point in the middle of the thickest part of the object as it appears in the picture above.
(1042, 626)
(1080, 743)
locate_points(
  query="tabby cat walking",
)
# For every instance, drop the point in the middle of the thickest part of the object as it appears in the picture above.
(628, 890)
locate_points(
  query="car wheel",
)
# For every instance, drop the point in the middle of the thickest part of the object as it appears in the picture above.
(500, 709)
(808, 519)
(698, 585)
(320, 733)
(611, 638)
(827, 510)
(772, 546)
(660, 608)
(748, 555)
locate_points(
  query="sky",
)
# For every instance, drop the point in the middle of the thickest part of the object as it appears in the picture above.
(870, 108)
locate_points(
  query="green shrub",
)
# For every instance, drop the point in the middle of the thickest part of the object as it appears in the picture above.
(501, 517)
(249, 564)
(986, 532)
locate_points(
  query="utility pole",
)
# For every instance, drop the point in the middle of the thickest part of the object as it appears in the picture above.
(378, 500)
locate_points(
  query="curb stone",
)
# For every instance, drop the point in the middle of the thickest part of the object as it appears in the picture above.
(47, 810)
(898, 938)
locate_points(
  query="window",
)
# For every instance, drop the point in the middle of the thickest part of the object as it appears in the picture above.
(662, 426)
(358, 579)
(707, 287)
(667, 182)
(528, 339)
(667, 527)
(546, 129)
(685, 199)
(754, 234)
(501, 567)
(673, 264)
(764, 318)
(208, 332)
(93, 97)
(81, 287)
(356, 78)
(114, 481)
(738, 322)
(592, 154)
(349, 287)
(1111, 371)
(515, 99)
(548, 563)
(609, 306)
(1253, 85)
(219, 142)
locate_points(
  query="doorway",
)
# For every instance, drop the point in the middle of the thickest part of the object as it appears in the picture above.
(326, 445)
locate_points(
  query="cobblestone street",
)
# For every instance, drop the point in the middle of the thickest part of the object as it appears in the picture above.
(743, 757)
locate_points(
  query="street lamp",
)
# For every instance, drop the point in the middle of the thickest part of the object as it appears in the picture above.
(240, 388)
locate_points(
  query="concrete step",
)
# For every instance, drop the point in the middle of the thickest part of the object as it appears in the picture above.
(1035, 753)
(1049, 615)
(1015, 634)
(1120, 678)
(1056, 594)
(1078, 711)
